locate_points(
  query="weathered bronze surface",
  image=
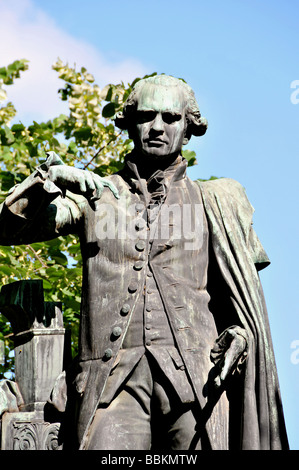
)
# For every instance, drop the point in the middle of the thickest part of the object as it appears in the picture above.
(175, 346)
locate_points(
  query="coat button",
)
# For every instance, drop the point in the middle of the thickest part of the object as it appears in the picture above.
(140, 245)
(140, 224)
(108, 353)
(139, 207)
(133, 287)
(117, 331)
(125, 309)
(138, 265)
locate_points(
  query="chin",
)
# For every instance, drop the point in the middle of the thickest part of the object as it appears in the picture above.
(156, 154)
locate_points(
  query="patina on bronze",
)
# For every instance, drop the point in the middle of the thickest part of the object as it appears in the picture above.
(175, 346)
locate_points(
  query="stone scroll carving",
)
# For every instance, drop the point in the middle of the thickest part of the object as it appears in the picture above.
(29, 433)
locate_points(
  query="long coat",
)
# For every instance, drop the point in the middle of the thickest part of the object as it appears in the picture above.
(113, 280)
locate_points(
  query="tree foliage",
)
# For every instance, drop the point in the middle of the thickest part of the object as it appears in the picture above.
(87, 138)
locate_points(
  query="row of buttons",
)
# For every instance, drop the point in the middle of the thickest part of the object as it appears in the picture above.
(138, 265)
(117, 331)
(139, 246)
(148, 309)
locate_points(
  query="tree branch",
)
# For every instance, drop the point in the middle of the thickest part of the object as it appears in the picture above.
(100, 150)
(37, 256)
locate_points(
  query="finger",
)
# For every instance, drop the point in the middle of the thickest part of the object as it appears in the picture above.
(102, 182)
(236, 348)
(89, 182)
(112, 188)
(98, 186)
(99, 191)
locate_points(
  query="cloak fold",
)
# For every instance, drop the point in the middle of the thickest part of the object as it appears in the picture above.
(240, 255)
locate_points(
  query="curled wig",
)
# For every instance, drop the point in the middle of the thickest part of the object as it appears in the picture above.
(196, 124)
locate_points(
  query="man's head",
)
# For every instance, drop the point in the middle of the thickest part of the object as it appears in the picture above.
(161, 114)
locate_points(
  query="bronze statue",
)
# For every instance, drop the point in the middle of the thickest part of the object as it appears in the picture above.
(175, 349)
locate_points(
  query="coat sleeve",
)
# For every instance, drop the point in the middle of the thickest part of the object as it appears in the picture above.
(36, 210)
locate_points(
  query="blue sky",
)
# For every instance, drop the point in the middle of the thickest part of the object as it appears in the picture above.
(240, 57)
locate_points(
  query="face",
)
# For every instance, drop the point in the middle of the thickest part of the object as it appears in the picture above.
(160, 125)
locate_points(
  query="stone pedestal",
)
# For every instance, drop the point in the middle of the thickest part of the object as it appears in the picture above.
(39, 354)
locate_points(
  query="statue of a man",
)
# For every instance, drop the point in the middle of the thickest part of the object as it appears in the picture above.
(175, 349)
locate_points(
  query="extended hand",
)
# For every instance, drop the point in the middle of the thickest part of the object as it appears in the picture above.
(229, 352)
(75, 180)
(80, 181)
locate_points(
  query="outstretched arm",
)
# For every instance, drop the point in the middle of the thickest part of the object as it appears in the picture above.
(49, 202)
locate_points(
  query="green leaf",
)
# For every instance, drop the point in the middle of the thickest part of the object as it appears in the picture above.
(47, 285)
(210, 179)
(7, 180)
(3, 72)
(72, 148)
(6, 270)
(83, 133)
(190, 156)
(109, 93)
(8, 74)
(109, 110)
(60, 259)
(7, 137)
(17, 127)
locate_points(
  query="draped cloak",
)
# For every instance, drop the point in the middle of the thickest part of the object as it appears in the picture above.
(236, 255)
(239, 256)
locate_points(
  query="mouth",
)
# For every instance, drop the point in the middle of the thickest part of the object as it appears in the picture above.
(155, 142)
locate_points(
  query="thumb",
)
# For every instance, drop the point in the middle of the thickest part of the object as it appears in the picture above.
(233, 353)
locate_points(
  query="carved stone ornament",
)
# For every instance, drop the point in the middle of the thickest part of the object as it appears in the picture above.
(35, 436)
(28, 431)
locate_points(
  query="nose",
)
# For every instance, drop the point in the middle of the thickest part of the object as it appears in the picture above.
(158, 124)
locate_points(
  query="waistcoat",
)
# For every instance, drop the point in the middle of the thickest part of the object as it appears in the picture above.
(149, 330)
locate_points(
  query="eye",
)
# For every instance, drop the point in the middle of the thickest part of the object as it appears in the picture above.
(145, 116)
(170, 118)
